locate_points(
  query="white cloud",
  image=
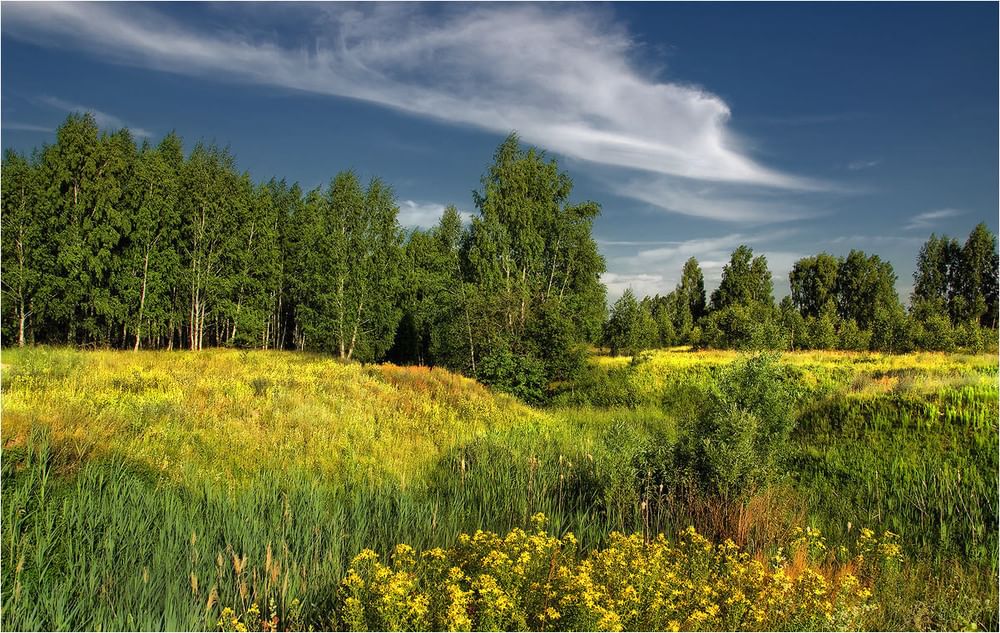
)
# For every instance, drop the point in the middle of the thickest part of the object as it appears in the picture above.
(26, 127)
(103, 119)
(878, 240)
(929, 219)
(715, 201)
(712, 253)
(563, 78)
(424, 214)
(642, 284)
(858, 165)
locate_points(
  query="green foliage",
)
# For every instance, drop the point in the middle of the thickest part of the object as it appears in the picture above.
(348, 302)
(233, 456)
(745, 281)
(754, 326)
(933, 331)
(813, 282)
(630, 328)
(978, 278)
(865, 288)
(852, 337)
(530, 255)
(734, 445)
(520, 375)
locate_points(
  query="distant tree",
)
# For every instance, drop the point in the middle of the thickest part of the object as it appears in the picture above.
(662, 310)
(891, 329)
(745, 280)
(84, 174)
(433, 328)
(853, 338)
(691, 289)
(151, 260)
(212, 206)
(936, 285)
(625, 329)
(289, 209)
(530, 247)
(354, 270)
(813, 283)
(865, 285)
(933, 331)
(823, 329)
(978, 277)
(743, 313)
(793, 324)
(24, 254)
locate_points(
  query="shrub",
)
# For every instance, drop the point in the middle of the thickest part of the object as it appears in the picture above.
(934, 332)
(854, 338)
(520, 375)
(733, 445)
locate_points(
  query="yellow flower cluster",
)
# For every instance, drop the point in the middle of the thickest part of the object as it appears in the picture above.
(535, 581)
(229, 621)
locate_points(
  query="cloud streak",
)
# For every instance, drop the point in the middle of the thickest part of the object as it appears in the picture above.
(714, 201)
(859, 165)
(564, 79)
(26, 127)
(928, 219)
(103, 119)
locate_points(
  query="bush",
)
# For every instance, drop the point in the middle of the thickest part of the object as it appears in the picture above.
(520, 375)
(734, 445)
(854, 338)
(602, 388)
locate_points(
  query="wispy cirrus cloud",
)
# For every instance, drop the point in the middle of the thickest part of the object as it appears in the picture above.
(26, 127)
(876, 240)
(103, 119)
(859, 165)
(929, 219)
(565, 79)
(715, 201)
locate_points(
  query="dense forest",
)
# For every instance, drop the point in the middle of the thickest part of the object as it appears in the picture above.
(110, 244)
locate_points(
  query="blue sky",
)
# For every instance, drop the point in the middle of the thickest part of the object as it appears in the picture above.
(794, 128)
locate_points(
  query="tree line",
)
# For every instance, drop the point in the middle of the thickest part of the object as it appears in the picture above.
(847, 303)
(107, 243)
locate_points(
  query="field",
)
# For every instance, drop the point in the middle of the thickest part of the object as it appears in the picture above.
(274, 490)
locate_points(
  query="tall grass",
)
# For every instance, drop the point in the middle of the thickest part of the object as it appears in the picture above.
(150, 490)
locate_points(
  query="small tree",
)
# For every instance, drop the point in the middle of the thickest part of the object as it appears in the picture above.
(735, 444)
(626, 327)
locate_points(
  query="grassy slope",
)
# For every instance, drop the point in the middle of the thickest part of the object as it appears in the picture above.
(170, 462)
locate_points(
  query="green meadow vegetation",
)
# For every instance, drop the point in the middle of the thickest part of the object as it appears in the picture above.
(272, 490)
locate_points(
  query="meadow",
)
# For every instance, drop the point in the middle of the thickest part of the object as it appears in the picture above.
(276, 490)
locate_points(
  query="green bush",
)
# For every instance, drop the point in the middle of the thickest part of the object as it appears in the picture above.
(934, 332)
(520, 375)
(853, 338)
(734, 445)
(607, 388)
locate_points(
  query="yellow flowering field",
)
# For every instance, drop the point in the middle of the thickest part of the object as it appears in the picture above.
(531, 580)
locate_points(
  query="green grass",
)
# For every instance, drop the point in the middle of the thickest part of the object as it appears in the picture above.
(150, 490)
